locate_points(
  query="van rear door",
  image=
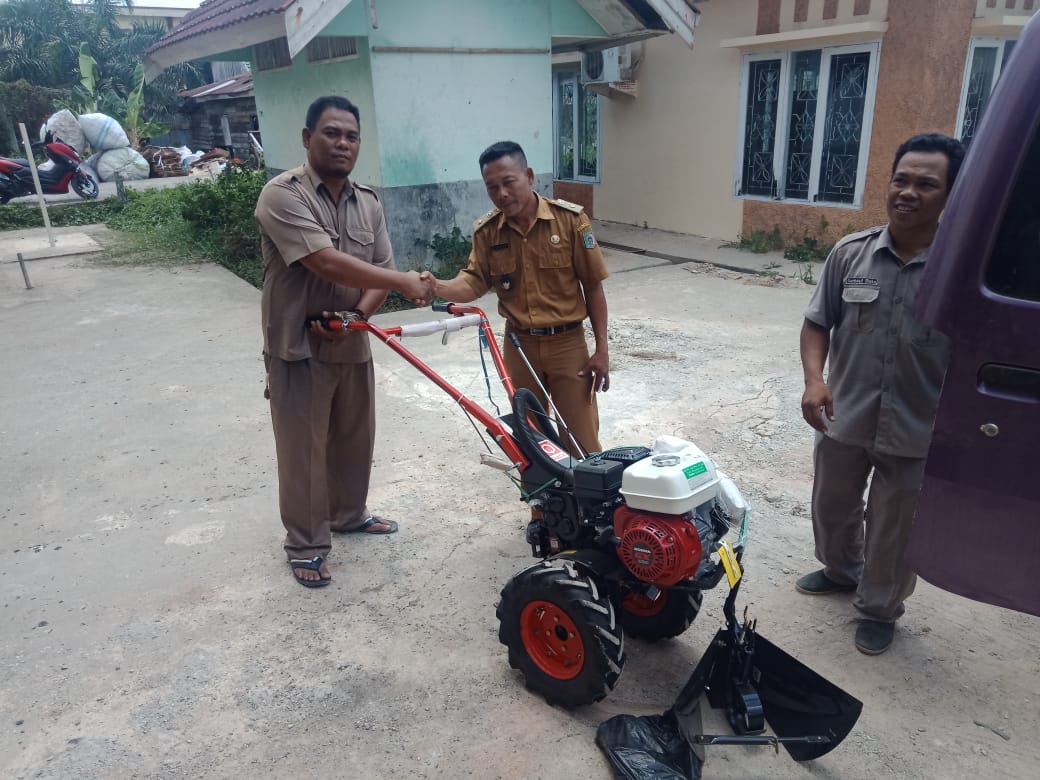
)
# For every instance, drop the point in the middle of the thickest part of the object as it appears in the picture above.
(977, 528)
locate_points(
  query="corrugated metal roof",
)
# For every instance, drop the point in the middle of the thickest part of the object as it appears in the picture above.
(215, 15)
(240, 86)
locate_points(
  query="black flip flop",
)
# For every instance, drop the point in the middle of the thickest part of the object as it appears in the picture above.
(373, 520)
(314, 564)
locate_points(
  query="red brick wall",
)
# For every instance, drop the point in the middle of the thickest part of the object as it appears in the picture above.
(919, 86)
(768, 17)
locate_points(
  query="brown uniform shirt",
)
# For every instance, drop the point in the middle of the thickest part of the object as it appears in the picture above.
(536, 275)
(885, 369)
(297, 218)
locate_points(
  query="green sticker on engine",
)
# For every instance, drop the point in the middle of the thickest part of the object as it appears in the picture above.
(695, 470)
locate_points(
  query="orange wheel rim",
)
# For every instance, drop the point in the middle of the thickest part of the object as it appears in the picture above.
(641, 605)
(552, 640)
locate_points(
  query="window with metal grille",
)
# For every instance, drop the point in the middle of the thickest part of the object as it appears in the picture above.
(331, 47)
(805, 123)
(576, 140)
(986, 60)
(272, 54)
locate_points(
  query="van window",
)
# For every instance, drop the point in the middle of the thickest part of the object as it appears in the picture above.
(1014, 268)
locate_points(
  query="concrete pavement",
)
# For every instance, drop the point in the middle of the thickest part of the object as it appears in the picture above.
(152, 628)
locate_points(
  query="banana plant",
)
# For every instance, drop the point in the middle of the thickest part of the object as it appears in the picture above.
(89, 75)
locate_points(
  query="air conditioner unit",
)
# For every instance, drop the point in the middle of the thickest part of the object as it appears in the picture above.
(601, 67)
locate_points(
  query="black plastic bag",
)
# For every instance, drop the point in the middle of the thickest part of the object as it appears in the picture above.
(648, 748)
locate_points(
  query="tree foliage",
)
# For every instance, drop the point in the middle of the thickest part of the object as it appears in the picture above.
(41, 42)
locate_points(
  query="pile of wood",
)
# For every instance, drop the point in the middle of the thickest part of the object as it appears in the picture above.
(163, 161)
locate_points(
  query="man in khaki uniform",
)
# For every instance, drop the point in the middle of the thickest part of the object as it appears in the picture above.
(874, 413)
(543, 262)
(326, 251)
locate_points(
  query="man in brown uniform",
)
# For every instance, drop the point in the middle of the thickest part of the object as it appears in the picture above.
(325, 250)
(875, 411)
(542, 260)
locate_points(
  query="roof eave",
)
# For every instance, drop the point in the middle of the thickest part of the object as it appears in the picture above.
(200, 47)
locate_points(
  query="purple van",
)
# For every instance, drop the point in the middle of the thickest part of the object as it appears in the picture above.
(977, 530)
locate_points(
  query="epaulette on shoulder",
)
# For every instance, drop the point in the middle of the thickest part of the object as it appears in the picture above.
(860, 235)
(368, 189)
(566, 204)
(479, 223)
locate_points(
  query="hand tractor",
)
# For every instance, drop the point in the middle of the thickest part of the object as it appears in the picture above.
(628, 540)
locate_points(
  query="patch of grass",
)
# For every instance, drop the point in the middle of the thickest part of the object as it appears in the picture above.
(203, 221)
(18, 216)
(758, 241)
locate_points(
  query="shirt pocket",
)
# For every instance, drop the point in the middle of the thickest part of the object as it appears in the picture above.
(862, 305)
(360, 243)
(556, 259)
(502, 267)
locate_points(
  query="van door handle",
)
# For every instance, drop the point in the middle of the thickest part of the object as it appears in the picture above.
(1015, 383)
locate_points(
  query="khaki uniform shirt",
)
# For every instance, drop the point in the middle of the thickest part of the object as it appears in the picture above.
(885, 369)
(297, 218)
(536, 276)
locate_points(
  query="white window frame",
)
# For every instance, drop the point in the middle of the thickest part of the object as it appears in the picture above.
(558, 76)
(780, 142)
(985, 43)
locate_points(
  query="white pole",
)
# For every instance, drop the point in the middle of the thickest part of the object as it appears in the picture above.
(36, 180)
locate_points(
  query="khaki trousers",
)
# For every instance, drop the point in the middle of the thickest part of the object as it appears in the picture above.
(866, 543)
(557, 359)
(324, 422)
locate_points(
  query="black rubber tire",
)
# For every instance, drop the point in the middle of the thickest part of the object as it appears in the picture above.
(84, 185)
(678, 612)
(590, 609)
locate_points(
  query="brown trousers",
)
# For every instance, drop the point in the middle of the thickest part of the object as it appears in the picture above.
(324, 422)
(866, 543)
(557, 359)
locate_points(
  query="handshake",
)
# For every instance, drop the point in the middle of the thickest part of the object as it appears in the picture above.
(419, 288)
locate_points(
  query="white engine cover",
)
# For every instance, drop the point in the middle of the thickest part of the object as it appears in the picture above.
(675, 479)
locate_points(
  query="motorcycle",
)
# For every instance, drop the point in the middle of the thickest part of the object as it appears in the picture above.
(63, 169)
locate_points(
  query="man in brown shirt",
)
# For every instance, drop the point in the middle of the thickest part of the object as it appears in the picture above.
(874, 412)
(542, 260)
(326, 251)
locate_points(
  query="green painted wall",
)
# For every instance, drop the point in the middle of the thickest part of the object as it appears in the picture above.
(432, 112)
(282, 98)
(570, 19)
(438, 111)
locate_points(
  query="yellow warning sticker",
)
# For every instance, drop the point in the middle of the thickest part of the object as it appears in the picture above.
(730, 563)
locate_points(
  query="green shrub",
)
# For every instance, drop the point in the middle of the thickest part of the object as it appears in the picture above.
(23, 102)
(811, 249)
(451, 255)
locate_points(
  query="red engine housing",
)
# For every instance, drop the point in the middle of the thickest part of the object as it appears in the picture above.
(659, 549)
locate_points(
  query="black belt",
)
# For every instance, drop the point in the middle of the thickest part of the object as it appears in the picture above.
(548, 331)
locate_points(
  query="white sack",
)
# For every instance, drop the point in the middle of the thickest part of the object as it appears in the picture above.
(103, 132)
(65, 126)
(127, 162)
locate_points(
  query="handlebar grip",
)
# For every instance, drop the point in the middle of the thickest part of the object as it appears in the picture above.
(329, 323)
(445, 307)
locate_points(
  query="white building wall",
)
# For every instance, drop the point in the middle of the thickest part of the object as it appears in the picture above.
(667, 156)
